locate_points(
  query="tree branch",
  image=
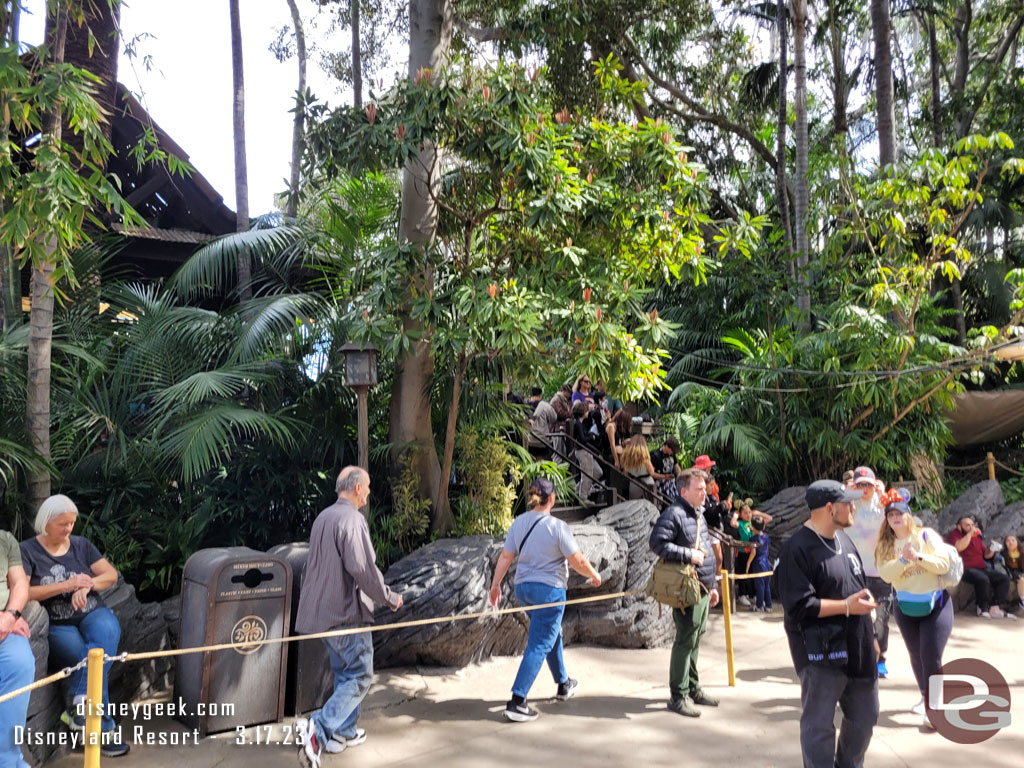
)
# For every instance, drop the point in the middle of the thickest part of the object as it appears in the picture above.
(481, 34)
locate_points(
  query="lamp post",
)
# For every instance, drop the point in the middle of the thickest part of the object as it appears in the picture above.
(361, 374)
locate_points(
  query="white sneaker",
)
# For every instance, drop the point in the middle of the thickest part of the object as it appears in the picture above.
(996, 611)
(1010, 616)
(926, 722)
(338, 744)
(744, 600)
(918, 709)
(985, 615)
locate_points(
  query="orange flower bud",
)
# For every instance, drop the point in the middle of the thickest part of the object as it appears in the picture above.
(487, 93)
(586, 295)
(400, 132)
(371, 113)
(598, 314)
(492, 290)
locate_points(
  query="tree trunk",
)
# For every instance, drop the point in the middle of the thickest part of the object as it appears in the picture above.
(449, 435)
(300, 115)
(933, 67)
(884, 101)
(241, 170)
(357, 58)
(782, 23)
(802, 193)
(430, 33)
(10, 275)
(839, 122)
(40, 338)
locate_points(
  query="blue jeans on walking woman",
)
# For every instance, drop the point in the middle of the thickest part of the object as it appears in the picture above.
(545, 637)
(351, 659)
(17, 668)
(69, 644)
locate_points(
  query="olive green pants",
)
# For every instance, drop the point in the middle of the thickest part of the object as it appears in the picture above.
(691, 625)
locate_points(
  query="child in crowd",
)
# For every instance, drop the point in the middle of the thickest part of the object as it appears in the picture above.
(1013, 557)
(741, 520)
(759, 563)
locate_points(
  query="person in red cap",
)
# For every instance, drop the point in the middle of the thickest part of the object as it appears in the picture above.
(715, 511)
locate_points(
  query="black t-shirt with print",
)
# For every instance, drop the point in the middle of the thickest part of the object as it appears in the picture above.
(809, 571)
(43, 568)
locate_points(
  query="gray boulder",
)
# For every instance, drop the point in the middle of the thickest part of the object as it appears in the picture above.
(448, 577)
(983, 500)
(607, 552)
(627, 622)
(789, 511)
(1009, 521)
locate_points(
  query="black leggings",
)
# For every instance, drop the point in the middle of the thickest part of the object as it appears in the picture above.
(926, 638)
(982, 580)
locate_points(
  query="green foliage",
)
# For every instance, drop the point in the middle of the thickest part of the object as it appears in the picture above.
(490, 476)
(410, 513)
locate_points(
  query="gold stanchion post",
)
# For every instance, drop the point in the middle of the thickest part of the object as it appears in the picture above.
(727, 613)
(991, 460)
(93, 720)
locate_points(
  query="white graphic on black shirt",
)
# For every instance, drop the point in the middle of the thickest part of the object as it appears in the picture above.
(60, 608)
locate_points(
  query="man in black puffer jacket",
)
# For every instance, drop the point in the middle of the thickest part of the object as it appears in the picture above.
(675, 537)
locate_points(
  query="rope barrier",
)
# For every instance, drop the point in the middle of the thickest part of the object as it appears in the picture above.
(44, 681)
(1011, 470)
(966, 467)
(490, 612)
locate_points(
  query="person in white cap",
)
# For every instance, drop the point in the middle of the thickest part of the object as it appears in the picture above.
(869, 516)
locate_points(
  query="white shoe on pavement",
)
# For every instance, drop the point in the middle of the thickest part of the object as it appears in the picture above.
(918, 709)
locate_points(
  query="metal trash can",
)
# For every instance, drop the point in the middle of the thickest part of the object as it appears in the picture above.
(310, 680)
(230, 595)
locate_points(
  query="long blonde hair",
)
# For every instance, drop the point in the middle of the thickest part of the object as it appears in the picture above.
(635, 454)
(885, 550)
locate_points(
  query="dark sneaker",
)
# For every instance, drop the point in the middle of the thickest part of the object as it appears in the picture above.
(683, 707)
(567, 689)
(112, 746)
(339, 744)
(73, 721)
(309, 753)
(882, 671)
(519, 713)
(702, 698)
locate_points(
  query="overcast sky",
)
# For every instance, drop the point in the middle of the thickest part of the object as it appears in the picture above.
(188, 90)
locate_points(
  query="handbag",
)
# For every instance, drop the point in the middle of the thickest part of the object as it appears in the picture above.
(676, 584)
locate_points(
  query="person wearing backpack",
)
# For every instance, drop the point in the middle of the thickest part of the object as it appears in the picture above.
(544, 545)
(914, 561)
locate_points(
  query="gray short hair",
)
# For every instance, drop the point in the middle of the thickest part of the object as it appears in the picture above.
(55, 506)
(349, 477)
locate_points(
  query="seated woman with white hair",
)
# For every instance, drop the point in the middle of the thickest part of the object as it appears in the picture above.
(66, 574)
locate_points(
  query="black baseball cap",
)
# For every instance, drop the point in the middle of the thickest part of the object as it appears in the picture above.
(822, 492)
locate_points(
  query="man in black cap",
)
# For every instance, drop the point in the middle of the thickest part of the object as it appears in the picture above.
(828, 623)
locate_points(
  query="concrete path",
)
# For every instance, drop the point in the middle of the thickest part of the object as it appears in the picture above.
(426, 716)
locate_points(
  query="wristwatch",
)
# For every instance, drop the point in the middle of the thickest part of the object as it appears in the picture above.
(15, 611)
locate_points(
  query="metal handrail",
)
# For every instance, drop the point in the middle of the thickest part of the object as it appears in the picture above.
(571, 461)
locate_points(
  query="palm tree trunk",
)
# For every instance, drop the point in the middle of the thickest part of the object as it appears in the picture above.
(241, 169)
(357, 58)
(884, 102)
(40, 338)
(10, 275)
(300, 115)
(933, 66)
(430, 33)
(782, 23)
(802, 192)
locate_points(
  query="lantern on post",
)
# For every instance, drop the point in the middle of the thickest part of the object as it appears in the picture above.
(361, 374)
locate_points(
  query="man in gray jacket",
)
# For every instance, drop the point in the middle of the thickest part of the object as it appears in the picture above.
(340, 584)
(681, 535)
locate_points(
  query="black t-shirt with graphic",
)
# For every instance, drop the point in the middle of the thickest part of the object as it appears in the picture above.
(809, 571)
(43, 568)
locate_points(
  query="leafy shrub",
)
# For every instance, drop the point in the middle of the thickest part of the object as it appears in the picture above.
(491, 476)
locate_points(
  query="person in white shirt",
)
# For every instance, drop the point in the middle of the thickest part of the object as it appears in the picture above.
(869, 514)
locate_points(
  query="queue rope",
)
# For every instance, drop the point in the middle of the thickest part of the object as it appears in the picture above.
(491, 612)
(1009, 469)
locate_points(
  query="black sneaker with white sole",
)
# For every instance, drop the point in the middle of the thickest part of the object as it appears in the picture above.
(567, 689)
(519, 713)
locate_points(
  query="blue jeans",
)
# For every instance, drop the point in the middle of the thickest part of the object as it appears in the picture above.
(17, 668)
(762, 591)
(545, 638)
(351, 659)
(70, 644)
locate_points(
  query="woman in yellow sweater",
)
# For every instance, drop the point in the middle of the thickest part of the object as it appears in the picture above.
(912, 559)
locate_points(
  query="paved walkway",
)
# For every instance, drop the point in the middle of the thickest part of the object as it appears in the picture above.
(453, 718)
